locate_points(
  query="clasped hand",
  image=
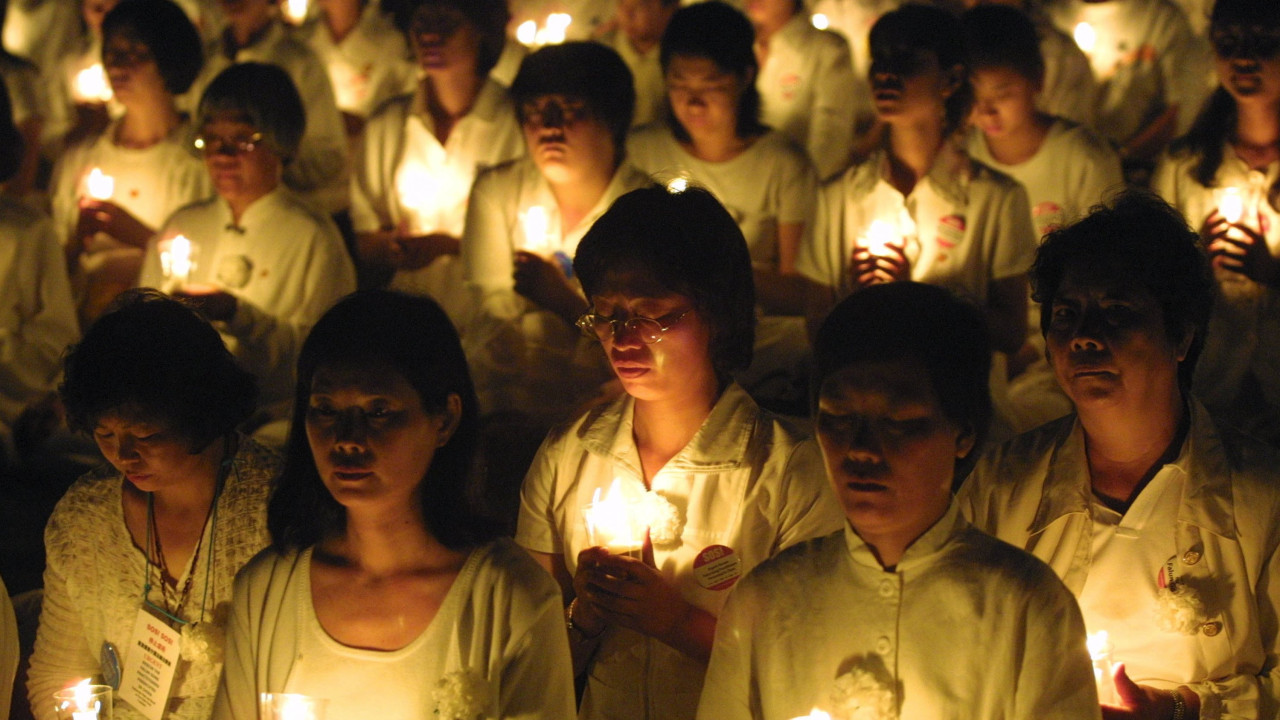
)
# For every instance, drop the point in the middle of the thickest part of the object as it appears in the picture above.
(1240, 248)
(628, 592)
(890, 265)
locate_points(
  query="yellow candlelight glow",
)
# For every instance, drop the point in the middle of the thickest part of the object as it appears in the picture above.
(100, 185)
(92, 85)
(556, 27)
(678, 185)
(537, 225)
(177, 260)
(291, 706)
(1099, 645)
(295, 11)
(815, 714)
(1086, 37)
(79, 702)
(614, 521)
(879, 237)
(527, 33)
(820, 21)
(1231, 204)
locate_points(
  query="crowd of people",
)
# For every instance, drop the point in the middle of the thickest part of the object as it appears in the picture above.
(613, 359)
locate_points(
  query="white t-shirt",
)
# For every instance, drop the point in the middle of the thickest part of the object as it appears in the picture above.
(369, 66)
(286, 265)
(963, 626)
(1069, 87)
(646, 73)
(807, 92)
(500, 625)
(746, 486)
(1238, 373)
(1146, 59)
(523, 358)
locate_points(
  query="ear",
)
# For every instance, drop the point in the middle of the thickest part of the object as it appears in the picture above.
(449, 418)
(966, 441)
(1185, 346)
(953, 80)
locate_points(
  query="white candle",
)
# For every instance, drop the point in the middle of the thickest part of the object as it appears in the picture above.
(614, 521)
(820, 21)
(92, 85)
(177, 260)
(100, 185)
(537, 226)
(82, 701)
(1086, 37)
(1099, 644)
(1231, 204)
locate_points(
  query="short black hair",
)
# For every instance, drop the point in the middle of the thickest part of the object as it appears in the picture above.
(166, 31)
(488, 17)
(589, 71)
(910, 321)
(999, 36)
(688, 244)
(152, 357)
(720, 33)
(415, 338)
(930, 29)
(1142, 239)
(265, 96)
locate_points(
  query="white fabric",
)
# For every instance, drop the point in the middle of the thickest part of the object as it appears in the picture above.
(747, 480)
(1034, 492)
(27, 98)
(37, 314)
(523, 358)
(369, 66)
(319, 171)
(1146, 60)
(646, 73)
(1069, 87)
(853, 19)
(1238, 373)
(42, 31)
(807, 92)
(963, 627)
(501, 620)
(285, 264)
(94, 574)
(973, 224)
(406, 179)
(8, 650)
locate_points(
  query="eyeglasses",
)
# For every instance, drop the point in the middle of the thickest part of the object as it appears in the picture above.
(216, 145)
(553, 112)
(649, 330)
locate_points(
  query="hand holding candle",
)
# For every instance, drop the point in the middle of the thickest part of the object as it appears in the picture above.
(615, 521)
(880, 255)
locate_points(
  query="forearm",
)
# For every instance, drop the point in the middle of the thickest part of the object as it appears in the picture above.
(692, 633)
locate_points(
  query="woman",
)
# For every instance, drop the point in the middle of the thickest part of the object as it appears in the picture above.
(908, 611)
(725, 483)
(713, 137)
(159, 533)
(151, 53)
(384, 591)
(1231, 156)
(413, 173)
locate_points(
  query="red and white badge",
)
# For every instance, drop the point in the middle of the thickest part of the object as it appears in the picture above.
(717, 567)
(950, 230)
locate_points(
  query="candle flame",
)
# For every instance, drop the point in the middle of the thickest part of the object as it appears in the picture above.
(820, 21)
(553, 30)
(1099, 645)
(83, 694)
(177, 259)
(92, 85)
(614, 521)
(678, 185)
(1231, 205)
(100, 185)
(1086, 37)
(296, 707)
(879, 237)
(527, 33)
(295, 11)
(537, 225)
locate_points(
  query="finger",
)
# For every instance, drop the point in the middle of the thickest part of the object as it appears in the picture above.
(646, 551)
(1130, 694)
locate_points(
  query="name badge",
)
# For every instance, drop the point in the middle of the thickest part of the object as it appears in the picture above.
(151, 659)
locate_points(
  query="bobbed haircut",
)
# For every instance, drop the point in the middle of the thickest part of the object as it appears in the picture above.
(1142, 240)
(12, 145)
(589, 71)
(488, 17)
(999, 36)
(720, 33)
(912, 322)
(166, 31)
(929, 29)
(686, 243)
(262, 95)
(411, 336)
(151, 357)
(1257, 13)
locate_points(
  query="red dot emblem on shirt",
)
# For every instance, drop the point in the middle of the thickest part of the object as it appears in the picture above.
(717, 567)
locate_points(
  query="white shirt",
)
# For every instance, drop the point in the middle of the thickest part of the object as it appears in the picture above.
(37, 314)
(748, 483)
(406, 179)
(369, 66)
(286, 265)
(523, 358)
(646, 73)
(1069, 87)
(963, 626)
(1238, 373)
(973, 224)
(1146, 59)
(8, 651)
(319, 171)
(853, 20)
(807, 92)
(500, 622)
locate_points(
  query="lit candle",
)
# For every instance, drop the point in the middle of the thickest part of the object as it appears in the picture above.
(556, 27)
(1099, 645)
(1231, 204)
(880, 236)
(537, 226)
(614, 522)
(677, 185)
(527, 33)
(83, 701)
(820, 21)
(553, 30)
(92, 85)
(1086, 37)
(291, 706)
(814, 714)
(100, 185)
(295, 11)
(177, 260)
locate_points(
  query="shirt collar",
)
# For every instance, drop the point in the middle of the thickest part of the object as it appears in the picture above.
(921, 550)
(255, 213)
(949, 176)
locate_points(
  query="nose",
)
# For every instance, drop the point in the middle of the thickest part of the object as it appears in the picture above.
(351, 430)
(552, 116)
(126, 448)
(1090, 331)
(625, 335)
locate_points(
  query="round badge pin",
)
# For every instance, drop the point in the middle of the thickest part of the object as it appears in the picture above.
(717, 567)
